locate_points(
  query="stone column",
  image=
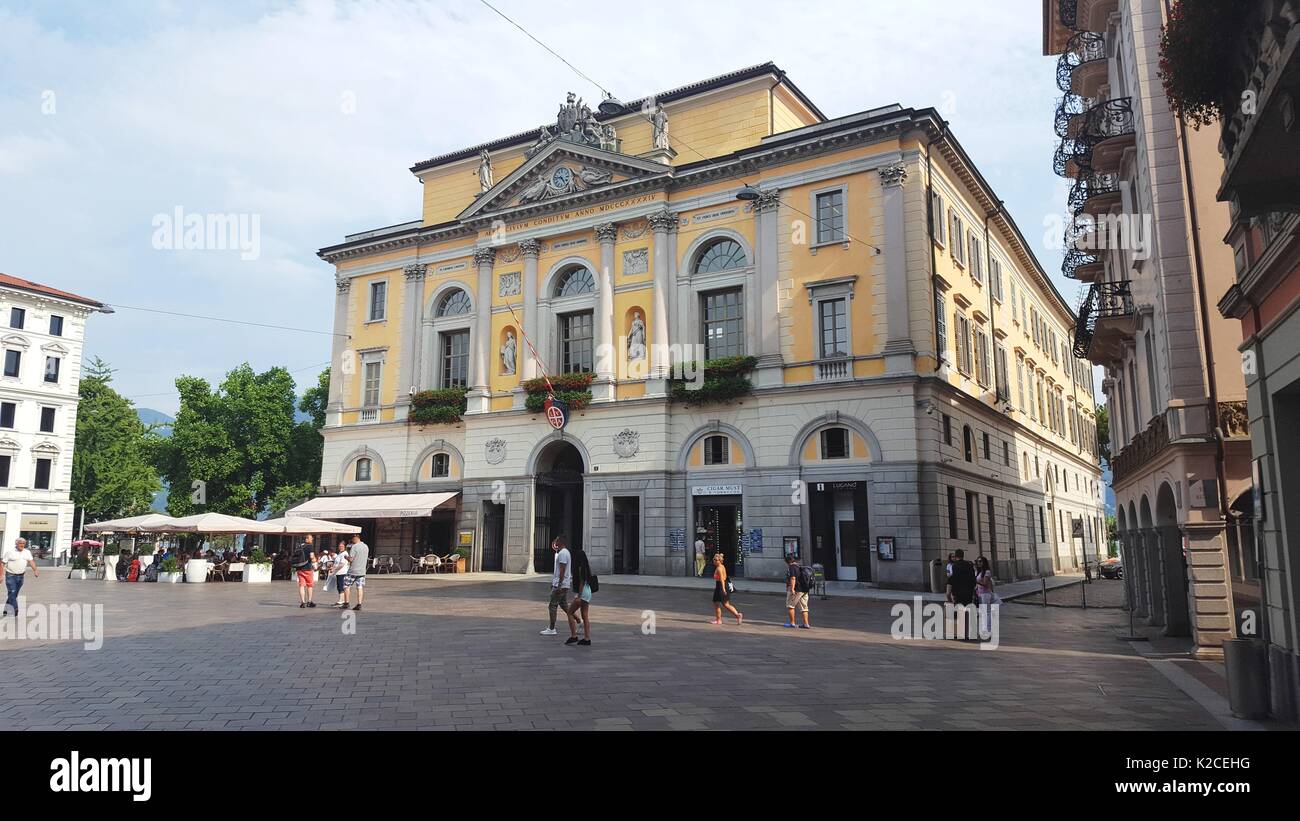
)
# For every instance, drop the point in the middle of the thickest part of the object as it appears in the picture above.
(1177, 622)
(662, 223)
(607, 354)
(530, 249)
(342, 359)
(766, 257)
(427, 375)
(409, 355)
(1134, 566)
(479, 399)
(900, 352)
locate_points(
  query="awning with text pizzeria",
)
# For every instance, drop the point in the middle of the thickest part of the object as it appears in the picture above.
(374, 506)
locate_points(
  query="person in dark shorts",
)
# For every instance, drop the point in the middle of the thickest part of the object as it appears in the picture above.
(581, 588)
(721, 598)
(961, 589)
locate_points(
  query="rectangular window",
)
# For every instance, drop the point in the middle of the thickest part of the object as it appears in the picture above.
(1006, 454)
(378, 300)
(947, 427)
(988, 453)
(47, 420)
(1000, 373)
(7, 411)
(17, 318)
(834, 328)
(715, 450)
(13, 362)
(51, 369)
(1029, 522)
(1020, 382)
(962, 326)
(455, 360)
(440, 467)
(952, 512)
(1015, 304)
(576, 343)
(976, 259)
(1042, 526)
(995, 278)
(958, 231)
(982, 357)
(972, 512)
(993, 526)
(830, 217)
(42, 474)
(363, 470)
(936, 218)
(5, 462)
(724, 326)
(56, 325)
(940, 325)
(835, 443)
(370, 395)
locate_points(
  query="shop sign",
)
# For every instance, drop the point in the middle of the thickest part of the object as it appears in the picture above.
(824, 486)
(716, 490)
(38, 522)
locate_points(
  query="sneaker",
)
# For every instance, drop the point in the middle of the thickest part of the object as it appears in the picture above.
(715, 621)
(301, 605)
(358, 607)
(805, 627)
(338, 604)
(787, 624)
(311, 604)
(550, 631)
(571, 640)
(585, 643)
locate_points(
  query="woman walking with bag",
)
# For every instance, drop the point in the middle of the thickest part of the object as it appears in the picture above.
(722, 590)
(584, 584)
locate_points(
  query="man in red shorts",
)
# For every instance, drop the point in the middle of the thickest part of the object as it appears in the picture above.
(304, 561)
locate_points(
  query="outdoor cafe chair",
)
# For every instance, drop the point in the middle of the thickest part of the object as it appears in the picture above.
(215, 570)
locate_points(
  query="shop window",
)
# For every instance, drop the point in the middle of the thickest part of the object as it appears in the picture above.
(720, 255)
(363, 470)
(835, 443)
(440, 466)
(716, 450)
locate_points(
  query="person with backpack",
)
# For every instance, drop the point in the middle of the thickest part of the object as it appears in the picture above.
(798, 584)
(304, 561)
(584, 584)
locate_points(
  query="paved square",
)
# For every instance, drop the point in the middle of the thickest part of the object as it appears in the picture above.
(464, 653)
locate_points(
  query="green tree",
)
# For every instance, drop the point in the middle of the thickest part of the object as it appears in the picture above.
(240, 441)
(307, 447)
(1103, 433)
(1112, 535)
(112, 472)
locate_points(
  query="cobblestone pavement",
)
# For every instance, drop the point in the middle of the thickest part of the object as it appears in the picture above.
(465, 654)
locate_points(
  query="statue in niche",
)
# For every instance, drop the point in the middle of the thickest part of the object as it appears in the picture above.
(636, 338)
(508, 354)
(484, 171)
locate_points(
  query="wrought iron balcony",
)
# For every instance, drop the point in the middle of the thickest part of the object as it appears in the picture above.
(1104, 300)
(1084, 47)
(1070, 111)
(1089, 187)
(1072, 158)
(1108, 119)
(1076, 259)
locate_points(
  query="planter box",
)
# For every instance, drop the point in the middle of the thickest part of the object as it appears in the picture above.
(257, 573)
(196, 571)
(171, 578)
(80, 574)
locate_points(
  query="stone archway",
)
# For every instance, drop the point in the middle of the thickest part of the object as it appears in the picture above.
(1172, 563)
(559, 494)
(1149, 540)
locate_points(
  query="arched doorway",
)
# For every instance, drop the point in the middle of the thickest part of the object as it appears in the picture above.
(1243, 565)
(1173, 563)
(557, 501)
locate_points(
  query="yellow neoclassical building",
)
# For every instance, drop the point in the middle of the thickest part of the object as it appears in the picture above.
(775, 331)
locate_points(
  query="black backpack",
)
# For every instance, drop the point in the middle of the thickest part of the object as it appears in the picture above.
(805, 580)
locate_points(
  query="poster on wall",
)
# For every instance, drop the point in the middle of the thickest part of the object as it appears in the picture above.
(885, 548)
(791, 546)
(756, 540)
(676, 540)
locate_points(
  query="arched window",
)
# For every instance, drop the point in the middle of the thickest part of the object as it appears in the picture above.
(721, 255)
(363, 470)
(455, 303)
(577, 280)
(968, 442)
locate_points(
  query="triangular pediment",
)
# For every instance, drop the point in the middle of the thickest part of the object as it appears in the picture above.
(564, 171)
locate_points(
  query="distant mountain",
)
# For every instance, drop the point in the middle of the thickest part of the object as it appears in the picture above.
(149, 416)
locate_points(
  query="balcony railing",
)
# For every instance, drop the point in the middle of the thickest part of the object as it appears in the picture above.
(369, 415)
(1083, 47)
(1089, 186)
(1104, 299)
(1072, 157)
(1142, 449)
(831, 370)
(1076, 259)
(1108, 119)
(1070, 110)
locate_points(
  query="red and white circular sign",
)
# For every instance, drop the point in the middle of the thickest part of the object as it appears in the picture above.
(557, 415)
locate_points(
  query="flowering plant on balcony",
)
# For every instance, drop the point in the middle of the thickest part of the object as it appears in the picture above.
(574, 389)
(725, 379)
(1196, 49)
(437, 406)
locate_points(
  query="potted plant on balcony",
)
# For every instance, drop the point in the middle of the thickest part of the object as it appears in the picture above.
(258, 568)
(170, 573)
(724, 380)
(1196, 58)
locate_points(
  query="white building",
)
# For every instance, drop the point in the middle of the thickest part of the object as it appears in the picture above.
(42, 334)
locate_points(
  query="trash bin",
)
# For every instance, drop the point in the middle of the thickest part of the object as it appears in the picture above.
(938, 584)
(1246, 663)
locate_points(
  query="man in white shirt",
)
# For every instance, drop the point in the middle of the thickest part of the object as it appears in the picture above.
(16, 560)
(561, 581)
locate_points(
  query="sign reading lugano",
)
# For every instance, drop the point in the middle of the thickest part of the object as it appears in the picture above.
(772, 331)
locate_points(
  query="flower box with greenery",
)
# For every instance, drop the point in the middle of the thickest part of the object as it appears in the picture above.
(724, 380)
(170, 573)
(257, 570)
(574, 389)
(437, 407)
(1196, 57)
(80, 567)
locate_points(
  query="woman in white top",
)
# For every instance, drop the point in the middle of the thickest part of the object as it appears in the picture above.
(339, 572)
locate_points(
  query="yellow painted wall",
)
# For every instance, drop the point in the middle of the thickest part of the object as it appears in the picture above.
(367, 335)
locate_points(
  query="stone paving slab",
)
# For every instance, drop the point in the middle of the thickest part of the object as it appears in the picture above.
(466, 654)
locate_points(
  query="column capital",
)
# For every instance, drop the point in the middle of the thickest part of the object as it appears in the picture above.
(530, 247)
(415, 271)
(664, 220)
(607, 232)
(892, 176)
(485, 256)
(768, 200)
(343, 284)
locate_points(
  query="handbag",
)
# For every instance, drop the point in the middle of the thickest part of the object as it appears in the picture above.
(729, 586)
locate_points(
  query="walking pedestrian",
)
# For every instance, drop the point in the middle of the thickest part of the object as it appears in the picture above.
(16, 560)
(358, 558)
(583, 586)
(722, 590)
(699, 556)
(561, 582)
(304, 561)
(961, 589)
(798, 584)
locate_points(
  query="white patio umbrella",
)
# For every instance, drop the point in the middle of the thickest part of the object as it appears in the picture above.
(218, 523)
(303, 525)
(148, 523)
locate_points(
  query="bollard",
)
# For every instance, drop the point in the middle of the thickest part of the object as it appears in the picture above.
(1246, 664)
(1083, 588)
(1044, 581)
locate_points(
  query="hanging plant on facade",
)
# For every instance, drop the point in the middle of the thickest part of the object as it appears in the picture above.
(574, 389)
(724, 380)
(1196, 50)
(443, 406)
